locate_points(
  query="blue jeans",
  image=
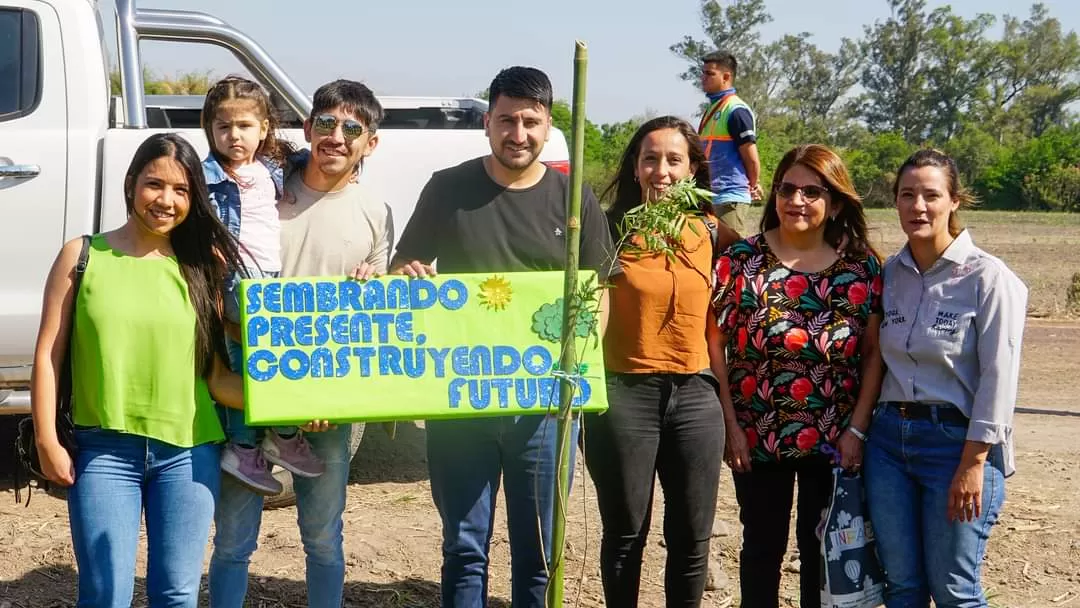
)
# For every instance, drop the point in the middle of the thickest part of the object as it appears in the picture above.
(232, 420)
(465, 460)
(118, 478)
(320, 502)
(909, 467)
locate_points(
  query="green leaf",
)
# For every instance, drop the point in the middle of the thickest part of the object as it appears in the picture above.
(659, 224)
(844, 278)
(702, 194)
(790, 429)
(742, 247)
(784, 378)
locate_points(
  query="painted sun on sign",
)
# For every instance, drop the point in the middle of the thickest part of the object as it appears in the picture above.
(495, 293)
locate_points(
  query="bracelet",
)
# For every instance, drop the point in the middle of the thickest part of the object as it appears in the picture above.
(861, 436)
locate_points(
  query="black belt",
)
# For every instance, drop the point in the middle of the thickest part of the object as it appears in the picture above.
(916, 410)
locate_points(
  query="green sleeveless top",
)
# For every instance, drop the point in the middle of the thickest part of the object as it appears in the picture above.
(133, 351)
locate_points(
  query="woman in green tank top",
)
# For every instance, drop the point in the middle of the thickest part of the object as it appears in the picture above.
(147, 365)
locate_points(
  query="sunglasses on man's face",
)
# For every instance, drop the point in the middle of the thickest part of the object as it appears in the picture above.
(810, 192)
(325, 124)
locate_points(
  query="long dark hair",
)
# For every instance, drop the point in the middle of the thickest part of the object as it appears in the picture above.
(929, 157)
(850, 220)
(234, 88)
(201, 243)
(624, 192)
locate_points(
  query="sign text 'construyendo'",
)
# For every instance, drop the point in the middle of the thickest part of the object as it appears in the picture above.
(399, 348)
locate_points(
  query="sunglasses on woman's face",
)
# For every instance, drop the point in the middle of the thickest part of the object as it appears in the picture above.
(810, 192)
(325, 124)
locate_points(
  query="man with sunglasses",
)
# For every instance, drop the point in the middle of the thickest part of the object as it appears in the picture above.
(503, 212)
(330, 226)
(727, 132)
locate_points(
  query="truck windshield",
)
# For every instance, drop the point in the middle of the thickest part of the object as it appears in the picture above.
(182, 112)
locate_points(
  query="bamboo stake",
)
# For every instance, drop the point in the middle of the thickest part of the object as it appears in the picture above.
(568, 360)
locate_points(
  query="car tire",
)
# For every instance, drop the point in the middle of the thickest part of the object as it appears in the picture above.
(287, 497)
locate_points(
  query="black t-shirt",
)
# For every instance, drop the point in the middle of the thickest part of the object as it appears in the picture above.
(469, 223)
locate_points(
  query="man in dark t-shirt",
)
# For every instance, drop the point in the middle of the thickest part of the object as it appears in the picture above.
(471, 223)
(503, 212)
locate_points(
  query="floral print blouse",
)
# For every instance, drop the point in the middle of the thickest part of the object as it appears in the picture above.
(793, 345)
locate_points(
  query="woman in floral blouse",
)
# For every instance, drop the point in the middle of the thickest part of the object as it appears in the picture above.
(800, 324)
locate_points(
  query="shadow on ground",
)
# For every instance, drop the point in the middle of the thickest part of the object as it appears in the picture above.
(379, 458)
(54, 587)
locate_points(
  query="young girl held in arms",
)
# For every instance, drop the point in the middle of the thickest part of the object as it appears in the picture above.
(244, 175)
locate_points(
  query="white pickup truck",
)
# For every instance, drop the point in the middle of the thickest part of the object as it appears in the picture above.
(65, 142)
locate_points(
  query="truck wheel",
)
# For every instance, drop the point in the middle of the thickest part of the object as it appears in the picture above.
(287, 498)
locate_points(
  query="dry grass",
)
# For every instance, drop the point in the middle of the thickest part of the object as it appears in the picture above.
(1042, 248)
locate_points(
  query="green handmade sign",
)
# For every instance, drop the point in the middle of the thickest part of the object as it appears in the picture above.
(395, 348)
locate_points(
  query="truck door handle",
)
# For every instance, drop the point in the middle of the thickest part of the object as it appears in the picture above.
(19, 170)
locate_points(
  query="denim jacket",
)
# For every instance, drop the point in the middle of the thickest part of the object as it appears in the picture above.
(225, 192)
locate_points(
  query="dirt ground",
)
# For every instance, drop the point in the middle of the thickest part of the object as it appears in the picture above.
(392, 530)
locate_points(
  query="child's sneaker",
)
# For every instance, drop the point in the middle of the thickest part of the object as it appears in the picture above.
(292, 454)
(249, 468)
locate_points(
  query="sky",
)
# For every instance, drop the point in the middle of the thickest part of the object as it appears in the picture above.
(448, 48)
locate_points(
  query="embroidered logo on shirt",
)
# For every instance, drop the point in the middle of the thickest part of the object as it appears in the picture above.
(962, 270)
(893, 316)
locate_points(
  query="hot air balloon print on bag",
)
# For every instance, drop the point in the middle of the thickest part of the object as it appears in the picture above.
(851, 575)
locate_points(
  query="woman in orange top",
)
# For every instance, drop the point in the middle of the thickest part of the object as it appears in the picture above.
(665, 416)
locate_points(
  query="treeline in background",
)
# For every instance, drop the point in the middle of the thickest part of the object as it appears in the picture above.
(998, 93)
(995, 92)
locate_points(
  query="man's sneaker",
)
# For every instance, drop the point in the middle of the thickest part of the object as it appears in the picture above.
(249, 467)
(292, 454)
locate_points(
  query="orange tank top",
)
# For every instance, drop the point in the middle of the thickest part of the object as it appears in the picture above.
(659, 308)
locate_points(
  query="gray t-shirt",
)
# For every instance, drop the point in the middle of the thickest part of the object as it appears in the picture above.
(330, 233)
